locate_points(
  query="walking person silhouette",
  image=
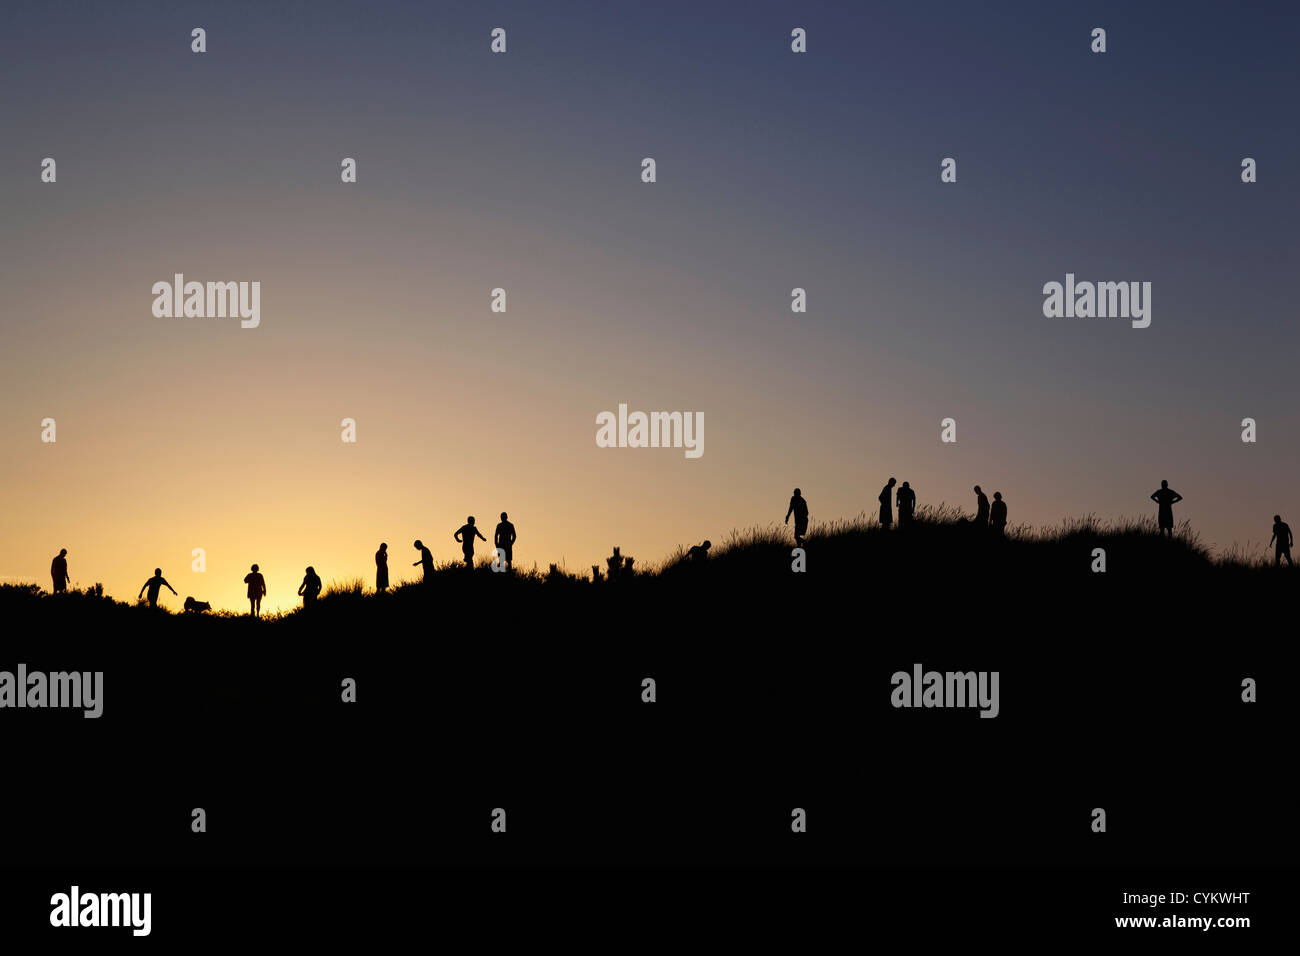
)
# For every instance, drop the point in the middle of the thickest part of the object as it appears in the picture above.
(1166, 498)
(906, 504)
(886, 509)
(381, 568)
(504, 538)
(310, 588)
(256, 591)
(799, 508)
(465, 535)
(155, 585)
(981, 509)
(1282, 532)
(59, 570)
(425, 562)
(998, 515)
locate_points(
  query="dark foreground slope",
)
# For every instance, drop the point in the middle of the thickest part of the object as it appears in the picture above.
(1119, 690)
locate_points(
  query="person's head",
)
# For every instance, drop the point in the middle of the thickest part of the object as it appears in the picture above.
(503, 516)
(62, 552)
(383, 547)
(157, 572)
(892, 482)
(1277, 519)
(310, 569)
(1164, 484)
(997, 496)
(906, 485)
(419, 545)
(469, 520)
(977, 490)
(255, 567)
(707, 544)
(796, 492)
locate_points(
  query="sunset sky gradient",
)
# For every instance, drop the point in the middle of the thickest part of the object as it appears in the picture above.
(522, 171)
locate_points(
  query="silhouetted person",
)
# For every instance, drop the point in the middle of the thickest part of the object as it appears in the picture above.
(425, 562)
(59, 570)
(310, 587)
(906, 504)
(256, 591)
(699, 552)
(155, 585)
(381, 568)
(798, 508)
(1282, 532)
(886, 508)
(504, 538)
(465, 535)
(998, 514)
(1166, 498)
(981, 509)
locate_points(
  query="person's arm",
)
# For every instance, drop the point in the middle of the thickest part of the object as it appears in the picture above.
(480, 535)
(142, 587)
(456, 536)
(301, 586)
(1177, 498)
(1154, 498)
(789, 511)
(170, 588)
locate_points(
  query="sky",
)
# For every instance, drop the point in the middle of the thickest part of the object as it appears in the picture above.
(522, 171)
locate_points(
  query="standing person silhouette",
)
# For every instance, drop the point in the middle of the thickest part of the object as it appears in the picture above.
(504, 538)
(465, 535)
(906, 504)
(887, 509)
(981, 509)
(381, 568)
(310, 588)
(59, 570)
(1166, 498)
(998, 515)
(798, 508)
(155, 585)
(425, 562)
(256, 591)
(1282, 532)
